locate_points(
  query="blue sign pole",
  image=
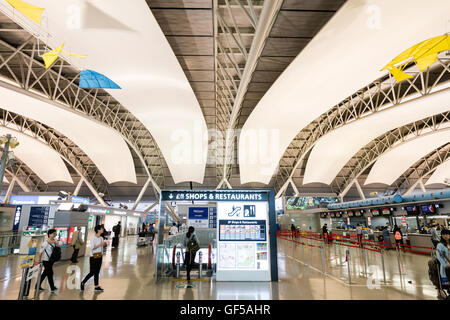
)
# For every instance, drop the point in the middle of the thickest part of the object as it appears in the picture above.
(273, 237)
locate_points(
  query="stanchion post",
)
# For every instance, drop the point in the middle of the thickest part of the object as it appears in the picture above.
(322, 252)
(364, 259)
(347, 255)
(38, 283)
(178, 264)
(23, 281)
(340, 253)
(303, 251)
(382, 264)
(398, 260)
(293, 248)
(200, 254)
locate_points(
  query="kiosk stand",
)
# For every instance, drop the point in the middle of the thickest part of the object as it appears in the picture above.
(246, 232)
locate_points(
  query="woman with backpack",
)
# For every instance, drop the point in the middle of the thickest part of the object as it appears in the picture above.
(398, 236)
(192, 246)
(47, 260)
(95, 261)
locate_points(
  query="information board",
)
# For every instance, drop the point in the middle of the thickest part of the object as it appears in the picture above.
(242, 230)
(198, 217)
(212, 217)
(243, 242)
(17, 215)
(39, 216)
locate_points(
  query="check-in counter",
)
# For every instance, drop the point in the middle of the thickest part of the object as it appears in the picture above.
(420, 240)
(343, 234)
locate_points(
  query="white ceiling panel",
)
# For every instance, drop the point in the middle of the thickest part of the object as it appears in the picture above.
(124, 42)
(393, 163)
(43, 160)
(104, 146)
(346, 55)
(336, 148)
(441, 173)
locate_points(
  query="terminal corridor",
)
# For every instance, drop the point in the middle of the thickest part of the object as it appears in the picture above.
(128, 273)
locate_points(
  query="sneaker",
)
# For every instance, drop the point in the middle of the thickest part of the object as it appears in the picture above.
(54, 289)
(40, 289)
(82, 286)
(98, 289)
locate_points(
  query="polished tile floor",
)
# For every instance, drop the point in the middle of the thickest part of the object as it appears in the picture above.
(127, 273)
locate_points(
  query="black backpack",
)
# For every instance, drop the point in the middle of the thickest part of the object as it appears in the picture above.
(433, 272)
(56, 254)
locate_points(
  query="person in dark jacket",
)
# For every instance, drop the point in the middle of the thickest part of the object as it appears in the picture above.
(117, 229)
(189, 254)
(325, 231)
(293, 230)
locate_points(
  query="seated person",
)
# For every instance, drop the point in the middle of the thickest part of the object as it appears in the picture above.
(442, 255)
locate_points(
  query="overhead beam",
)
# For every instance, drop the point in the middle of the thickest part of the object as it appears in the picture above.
(141, 194)
(78, 187)
(9, 191)
(268, 16)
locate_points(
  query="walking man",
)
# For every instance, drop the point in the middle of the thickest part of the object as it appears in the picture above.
(77, 243)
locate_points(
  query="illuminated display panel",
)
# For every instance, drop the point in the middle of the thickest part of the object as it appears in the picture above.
(243, 241)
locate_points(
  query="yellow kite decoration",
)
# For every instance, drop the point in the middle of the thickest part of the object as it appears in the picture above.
(424, 54)
(51, 56)
(28, 10)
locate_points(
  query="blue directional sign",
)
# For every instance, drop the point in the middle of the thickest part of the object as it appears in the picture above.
(215, 195)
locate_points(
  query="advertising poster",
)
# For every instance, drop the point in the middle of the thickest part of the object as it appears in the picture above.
(227, 258)
(246, 255)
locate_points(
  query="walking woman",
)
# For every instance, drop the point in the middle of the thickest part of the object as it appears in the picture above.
(192, 246)
(95, 261)
(46, 252)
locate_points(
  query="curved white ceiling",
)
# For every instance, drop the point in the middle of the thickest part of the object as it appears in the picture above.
(125, 43)
(346, 55)
(336, 148)
(393, 163)
(104, 146)
(43, 160)
(441, 173)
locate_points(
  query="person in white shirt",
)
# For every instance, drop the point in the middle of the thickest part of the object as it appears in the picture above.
(44, 256)
(173, 230)
(95, 261)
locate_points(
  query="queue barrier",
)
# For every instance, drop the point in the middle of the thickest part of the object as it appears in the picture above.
(175, 263)
(361, 242)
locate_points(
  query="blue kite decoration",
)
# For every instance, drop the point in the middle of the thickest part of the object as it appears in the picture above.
(93, 80)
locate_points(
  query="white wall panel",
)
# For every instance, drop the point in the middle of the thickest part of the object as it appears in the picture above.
(441, 173)
(336, 148)
(346, 55)
(124, 42)
(40, 158)
(395, 162)
(104, 146)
